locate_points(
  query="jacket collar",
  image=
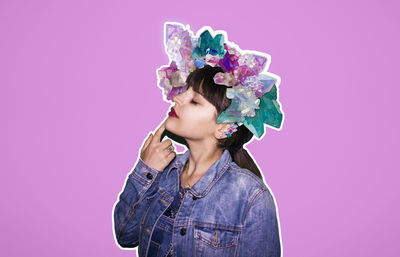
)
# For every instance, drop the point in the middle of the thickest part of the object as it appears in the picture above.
(204, 184)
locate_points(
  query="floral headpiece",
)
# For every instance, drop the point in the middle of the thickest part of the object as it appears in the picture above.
(254, 94)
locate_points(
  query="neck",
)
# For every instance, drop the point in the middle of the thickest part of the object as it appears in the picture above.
(202, 156)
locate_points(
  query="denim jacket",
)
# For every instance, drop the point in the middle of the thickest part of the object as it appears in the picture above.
(228, 212)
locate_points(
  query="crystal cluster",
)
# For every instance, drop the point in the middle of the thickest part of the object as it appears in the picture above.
(232, 128)
(254, 94)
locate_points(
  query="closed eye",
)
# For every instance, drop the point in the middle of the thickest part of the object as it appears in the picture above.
(193, 102)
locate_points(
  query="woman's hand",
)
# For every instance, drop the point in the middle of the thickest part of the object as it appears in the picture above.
(155, 153)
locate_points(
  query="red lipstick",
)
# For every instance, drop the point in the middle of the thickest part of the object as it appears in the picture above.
(172, 113)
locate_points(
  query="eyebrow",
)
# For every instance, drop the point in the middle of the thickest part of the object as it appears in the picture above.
(198, 97)
(195, 94)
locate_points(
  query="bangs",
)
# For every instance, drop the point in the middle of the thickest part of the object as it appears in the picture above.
(202, 82)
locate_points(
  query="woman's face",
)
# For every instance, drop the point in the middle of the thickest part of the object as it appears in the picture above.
(196, 116)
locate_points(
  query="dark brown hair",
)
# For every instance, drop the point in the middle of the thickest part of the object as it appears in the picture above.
(216, 95)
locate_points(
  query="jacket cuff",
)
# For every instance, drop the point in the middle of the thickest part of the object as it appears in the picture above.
(144, 173)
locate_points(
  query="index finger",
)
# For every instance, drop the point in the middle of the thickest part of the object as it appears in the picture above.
(159, 131)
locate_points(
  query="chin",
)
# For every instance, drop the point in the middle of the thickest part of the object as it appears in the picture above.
(176, 130)
(170, 126)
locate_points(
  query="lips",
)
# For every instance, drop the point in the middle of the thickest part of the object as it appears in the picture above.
(172, 113)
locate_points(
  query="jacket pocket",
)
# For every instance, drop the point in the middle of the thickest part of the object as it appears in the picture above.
(212, 241)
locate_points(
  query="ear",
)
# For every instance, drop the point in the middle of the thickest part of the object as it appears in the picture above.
(221, 129)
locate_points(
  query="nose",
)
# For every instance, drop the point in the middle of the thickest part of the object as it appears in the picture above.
(175, 99)
(178, 99)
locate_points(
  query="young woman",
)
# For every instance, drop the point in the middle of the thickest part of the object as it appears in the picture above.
(208, 201)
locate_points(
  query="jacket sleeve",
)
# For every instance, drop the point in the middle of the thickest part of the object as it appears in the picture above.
(127, 215)
(261, 234)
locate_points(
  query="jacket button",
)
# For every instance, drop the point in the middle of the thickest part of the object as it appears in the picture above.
(149, 176)
(183, 231)
(194, 197)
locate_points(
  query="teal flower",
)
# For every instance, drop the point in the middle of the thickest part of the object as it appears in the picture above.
(269, 112)
(209, 45)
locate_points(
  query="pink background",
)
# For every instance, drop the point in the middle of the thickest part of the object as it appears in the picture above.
(79, 95)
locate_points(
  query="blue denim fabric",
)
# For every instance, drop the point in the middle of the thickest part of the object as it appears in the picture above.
(228, 212)
(161, 239)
